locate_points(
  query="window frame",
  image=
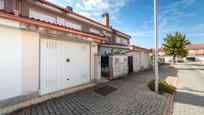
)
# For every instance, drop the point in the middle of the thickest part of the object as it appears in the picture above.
(1, 4)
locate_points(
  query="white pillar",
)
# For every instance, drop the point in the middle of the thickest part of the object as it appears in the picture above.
(156, 43)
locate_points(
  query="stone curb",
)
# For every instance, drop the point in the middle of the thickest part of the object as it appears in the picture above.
(169, 104)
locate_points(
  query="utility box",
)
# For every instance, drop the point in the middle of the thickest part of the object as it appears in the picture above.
(118, 66)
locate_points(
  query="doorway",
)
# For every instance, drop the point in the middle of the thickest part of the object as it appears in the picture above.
(130, 64)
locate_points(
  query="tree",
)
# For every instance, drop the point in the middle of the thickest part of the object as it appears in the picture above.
(175, 45)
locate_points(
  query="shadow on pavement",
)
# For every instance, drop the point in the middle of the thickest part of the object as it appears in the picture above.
(167, 70)
(189, 89)
(189, 98)
(190, 68)
(196, 65)
(164, 72)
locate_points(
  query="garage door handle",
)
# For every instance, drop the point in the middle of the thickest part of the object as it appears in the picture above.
(67, 78)
(68, 60)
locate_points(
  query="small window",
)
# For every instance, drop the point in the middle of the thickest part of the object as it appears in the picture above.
(73, 25)
(60, 21)
(118, 40)
(42, 16)
(124, 41)
(109, 38)
(1, 4)
(95, 31)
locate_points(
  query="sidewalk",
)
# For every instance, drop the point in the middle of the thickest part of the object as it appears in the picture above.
(131, 97)
(189, 99)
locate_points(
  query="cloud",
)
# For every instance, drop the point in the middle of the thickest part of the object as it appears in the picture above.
(180, 4)
(68, 1)
(95, 8)
(87, 14)
(100, 5)
(169, 18)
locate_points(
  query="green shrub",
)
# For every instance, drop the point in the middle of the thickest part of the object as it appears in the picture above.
(163, 86)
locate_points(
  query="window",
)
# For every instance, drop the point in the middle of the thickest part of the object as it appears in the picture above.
(124, 41)
(1, 4)
(109, 38)
(95, 31)
(118, 40)
(60, 21)
(73, 25)
(41, 16)
(121, 40)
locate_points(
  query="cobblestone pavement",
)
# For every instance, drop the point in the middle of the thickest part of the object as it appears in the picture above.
(132, 98)
(189, 99)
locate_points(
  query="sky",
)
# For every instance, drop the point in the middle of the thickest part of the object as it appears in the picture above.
(136, 17)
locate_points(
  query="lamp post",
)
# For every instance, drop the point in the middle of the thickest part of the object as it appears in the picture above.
(156, 44)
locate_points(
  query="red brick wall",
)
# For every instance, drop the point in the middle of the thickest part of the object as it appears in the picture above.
(24, 10)
(8, 5)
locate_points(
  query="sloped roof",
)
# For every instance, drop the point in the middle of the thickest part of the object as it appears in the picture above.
(37, 22)
(63, 9)
(140, 48)
(195, 47)
(160, 50)
(189, 47)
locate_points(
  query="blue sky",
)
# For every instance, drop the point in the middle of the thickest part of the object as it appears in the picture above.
(135, 17)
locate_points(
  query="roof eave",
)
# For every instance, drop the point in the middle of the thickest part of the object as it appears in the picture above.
(48, 25)
(63, 9)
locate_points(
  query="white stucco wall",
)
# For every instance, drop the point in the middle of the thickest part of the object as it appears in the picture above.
(10, 62)
(30, 62)
(200, 58)
(136, 60)
(142, 63)
(147, 61)
(9, 23)
(94, 51)
(118, 66)
(18, 60)
(167, 59)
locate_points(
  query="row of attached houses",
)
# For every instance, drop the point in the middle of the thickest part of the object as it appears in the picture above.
(195, 53)
(46, 48)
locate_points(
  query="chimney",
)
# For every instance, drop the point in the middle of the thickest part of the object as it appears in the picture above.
(69, 8)
(105, 19)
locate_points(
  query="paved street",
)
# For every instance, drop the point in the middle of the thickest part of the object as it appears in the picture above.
(189, 99)
(132, 97)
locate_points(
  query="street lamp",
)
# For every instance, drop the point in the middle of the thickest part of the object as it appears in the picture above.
(156, 44)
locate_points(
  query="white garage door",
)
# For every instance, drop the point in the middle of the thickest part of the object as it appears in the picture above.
(63, 64)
